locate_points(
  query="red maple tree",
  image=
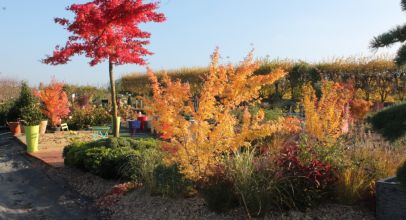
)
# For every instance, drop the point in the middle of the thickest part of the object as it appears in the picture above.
(55, 100)
(107, 30)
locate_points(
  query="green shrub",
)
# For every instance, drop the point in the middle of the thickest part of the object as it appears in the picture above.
(93, 159)
(127, 158)
(115, 142)
(390, 122)
(79, 119)
(114, 161)
(25, 99)
(219, 194)
(273, 114)
(5, 109)
(100, 116)
(31, 115)
(169, 181)
(401, 174)
(83, 118)
(126, 142)
(129, 169)
(146, 143)
(74, 155)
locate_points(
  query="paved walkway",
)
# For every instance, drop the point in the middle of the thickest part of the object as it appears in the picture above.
(27, 192)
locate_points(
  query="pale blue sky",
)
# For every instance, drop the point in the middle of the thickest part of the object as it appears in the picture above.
(310, 30)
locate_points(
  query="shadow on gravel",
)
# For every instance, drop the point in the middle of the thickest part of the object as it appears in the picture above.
(27, 191)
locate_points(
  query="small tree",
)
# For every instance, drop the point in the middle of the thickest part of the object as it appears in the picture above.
(55, 101)
(214, 131)
(107, 30)
(25, 99)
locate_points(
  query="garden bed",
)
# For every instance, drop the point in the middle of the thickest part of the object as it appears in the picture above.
(138, 204)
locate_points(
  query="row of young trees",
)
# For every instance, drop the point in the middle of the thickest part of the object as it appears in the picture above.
(374, 79)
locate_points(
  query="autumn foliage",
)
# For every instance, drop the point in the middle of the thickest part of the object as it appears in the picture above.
(55, 102)
(327, 116)
(359, 109)
(197, 145)
(107, 30)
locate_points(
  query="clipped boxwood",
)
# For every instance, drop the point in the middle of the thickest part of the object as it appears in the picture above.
(74, 155)
(123, 158)
(390, 122)
(115, 161)
(146, 143)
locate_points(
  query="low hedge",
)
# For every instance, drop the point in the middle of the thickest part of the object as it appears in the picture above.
(390, 122)
(108, 157)
(138, 160)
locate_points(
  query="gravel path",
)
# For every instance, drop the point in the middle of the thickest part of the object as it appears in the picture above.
(27, 191)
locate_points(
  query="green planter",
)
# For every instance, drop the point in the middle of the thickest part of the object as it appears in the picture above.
(32, 137)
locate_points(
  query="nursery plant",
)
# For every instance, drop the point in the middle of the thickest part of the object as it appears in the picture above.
(55, 102)
(106, 30)
(198, 145)
(31, 117)
(14, 114)
(325, 116)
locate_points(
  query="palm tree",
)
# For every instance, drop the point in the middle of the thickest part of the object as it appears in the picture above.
(395, 35)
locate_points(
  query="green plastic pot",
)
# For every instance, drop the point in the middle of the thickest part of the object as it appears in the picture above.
(32, 137)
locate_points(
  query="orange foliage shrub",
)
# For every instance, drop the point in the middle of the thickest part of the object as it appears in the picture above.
(55, 100)
(198, 145)
(359, 109)
(325, 117)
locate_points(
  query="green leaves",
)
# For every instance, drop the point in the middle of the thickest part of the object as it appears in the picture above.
(31, 115)
(395, 35)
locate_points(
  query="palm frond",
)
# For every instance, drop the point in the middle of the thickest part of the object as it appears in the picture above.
(403, 5)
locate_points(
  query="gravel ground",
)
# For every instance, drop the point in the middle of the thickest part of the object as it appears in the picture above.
(139, 205)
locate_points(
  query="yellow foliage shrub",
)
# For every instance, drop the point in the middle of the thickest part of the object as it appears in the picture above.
(198, 145)
(324, 118)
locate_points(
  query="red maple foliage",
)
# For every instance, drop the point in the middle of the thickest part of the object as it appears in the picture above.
(107, 30)
(55, 100)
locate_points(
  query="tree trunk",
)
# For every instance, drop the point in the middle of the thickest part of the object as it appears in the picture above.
(113, 99)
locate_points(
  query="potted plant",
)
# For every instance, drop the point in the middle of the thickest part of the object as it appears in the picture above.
(54, 103)
(391, 196)
(14, 115)
(13, 124)
(13, 118)
(31, 116)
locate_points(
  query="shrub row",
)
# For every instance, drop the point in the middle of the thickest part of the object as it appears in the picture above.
(138, 160)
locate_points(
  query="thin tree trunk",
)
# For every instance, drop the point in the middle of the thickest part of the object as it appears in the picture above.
(113, 99)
